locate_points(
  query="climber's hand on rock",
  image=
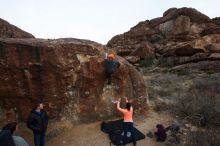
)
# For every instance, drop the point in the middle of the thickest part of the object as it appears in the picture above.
(126, 99)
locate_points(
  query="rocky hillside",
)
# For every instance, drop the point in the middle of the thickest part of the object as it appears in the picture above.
(181, 37)
(8, 30)
(66, 74)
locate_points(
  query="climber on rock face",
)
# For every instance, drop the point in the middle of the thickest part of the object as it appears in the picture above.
(111, 65)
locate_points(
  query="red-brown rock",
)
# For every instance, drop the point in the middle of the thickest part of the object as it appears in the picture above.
(213, 48)
(180, 36)
(211, 30)
(193, 14)
(216, 21)
(182, 25)
(142, 50)
(202, 65)
(68, 75)
(132, 59)
(8, 30)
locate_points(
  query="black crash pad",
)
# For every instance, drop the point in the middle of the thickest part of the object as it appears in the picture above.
(115, 131)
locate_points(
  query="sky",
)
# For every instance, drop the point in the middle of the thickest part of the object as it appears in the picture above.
(96, 20)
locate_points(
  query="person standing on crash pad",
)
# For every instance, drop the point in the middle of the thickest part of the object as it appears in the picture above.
(37, 122)
(127, 119)
(111, 65)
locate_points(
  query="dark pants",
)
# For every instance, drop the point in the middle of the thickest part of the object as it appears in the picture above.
(128, 127)
(109, 77)
(39, 139)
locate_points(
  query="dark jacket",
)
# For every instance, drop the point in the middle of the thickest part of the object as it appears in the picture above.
(111, 65)
(6, 138)
(161, 133)
(37, 122)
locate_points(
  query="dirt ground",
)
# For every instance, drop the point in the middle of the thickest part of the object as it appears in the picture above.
(90, 134)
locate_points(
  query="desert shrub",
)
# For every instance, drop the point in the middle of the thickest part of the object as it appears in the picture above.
(166, 62)
(208, 137)
(147, 62)
(160, 105)
(202, 100)
(180, 72)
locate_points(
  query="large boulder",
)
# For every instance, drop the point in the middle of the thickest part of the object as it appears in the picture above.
(206, 48)
(202, 65)
(142, 50)
(182, 25)
(166, 27)
(66, 74)
(180, 36)
(193, 14)
(8, 30)
(211, 30)
(216, 21)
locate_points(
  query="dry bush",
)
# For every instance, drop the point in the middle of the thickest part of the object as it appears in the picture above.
(160, 105)
(202, 101)
(209, 137)
(147, 62)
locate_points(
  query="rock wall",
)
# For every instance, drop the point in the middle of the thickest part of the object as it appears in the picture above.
(66, 74)
(8, 30)
(180, 36)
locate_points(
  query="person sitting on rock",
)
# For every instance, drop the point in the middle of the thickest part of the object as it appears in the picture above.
(110, 66)
(160, 133)
(12, 127)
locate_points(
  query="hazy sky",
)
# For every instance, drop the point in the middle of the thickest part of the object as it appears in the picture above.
(97, 20)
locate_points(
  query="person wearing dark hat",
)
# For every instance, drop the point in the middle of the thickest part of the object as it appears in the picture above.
(37, 122)
(12, 127)
(6, 138)
(110, 66)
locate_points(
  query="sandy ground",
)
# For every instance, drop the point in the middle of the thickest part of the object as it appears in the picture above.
(91, 135)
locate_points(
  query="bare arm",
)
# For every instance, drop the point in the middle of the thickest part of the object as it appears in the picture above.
(118, 106)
